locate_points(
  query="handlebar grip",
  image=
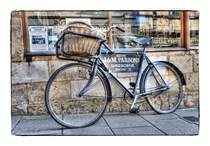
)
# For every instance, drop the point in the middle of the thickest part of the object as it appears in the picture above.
(119, 28)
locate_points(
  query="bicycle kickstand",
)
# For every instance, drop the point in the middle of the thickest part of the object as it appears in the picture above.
(133, 109)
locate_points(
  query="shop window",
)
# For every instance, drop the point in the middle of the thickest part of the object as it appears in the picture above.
(42, 28)
(164, 26)
(194, 28)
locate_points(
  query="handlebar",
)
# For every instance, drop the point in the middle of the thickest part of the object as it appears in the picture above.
(119, 28)
(114, 26)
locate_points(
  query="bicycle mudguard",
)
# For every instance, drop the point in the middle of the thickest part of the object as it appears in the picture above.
(109, 87)
(178, 71)
(172, 65)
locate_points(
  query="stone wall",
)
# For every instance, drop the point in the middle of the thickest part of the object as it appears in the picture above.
(28, 81)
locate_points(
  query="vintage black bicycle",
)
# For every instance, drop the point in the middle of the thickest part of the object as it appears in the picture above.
(77, 94)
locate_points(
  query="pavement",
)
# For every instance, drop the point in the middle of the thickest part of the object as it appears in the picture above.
(181, 122)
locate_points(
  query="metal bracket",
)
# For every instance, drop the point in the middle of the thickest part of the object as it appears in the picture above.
(29, 59)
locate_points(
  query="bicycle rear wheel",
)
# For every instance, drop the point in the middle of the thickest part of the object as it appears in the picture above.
(164, 101)
(62, 102)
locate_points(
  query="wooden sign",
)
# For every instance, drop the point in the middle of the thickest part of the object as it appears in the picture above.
(122, 63)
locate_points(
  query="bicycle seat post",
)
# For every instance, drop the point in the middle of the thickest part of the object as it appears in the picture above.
(144, 48)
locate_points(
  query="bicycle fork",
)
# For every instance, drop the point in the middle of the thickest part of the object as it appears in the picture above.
(91, 78)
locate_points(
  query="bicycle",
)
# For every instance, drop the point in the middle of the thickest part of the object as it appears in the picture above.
(77, 94)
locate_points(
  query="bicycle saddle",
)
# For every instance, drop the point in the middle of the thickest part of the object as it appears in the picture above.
(142, 41)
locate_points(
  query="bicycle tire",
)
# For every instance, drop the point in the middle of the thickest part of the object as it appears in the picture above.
(165, 101)
(65, 107)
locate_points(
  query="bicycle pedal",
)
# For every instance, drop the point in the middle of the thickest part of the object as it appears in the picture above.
(134, 110)
(132, 84)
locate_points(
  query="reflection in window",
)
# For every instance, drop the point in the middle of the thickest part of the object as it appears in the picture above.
(164, 26)
(194, 28)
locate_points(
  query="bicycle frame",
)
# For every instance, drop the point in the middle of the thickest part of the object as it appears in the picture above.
(99, 62)
(143, 57)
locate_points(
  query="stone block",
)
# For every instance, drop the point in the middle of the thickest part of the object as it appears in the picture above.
(17, 43)
(115, 105)
(36, 93)
(158, 58)
(37, 109)
(16, 21)
(19, 110)
(55, 64)
(184, 63)
(77, 86)
(196, 63)
(153, 53)
(19, 94)
(176, 53)
(127, 74)
(117, 90)
(22, 72)
(16, 14)
(192, 80)
(191, 100)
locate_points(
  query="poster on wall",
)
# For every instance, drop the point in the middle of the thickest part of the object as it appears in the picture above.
(38, 38)
(53, 31)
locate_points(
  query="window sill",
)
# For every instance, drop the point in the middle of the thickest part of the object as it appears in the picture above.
(165, 49)
(194, 48)
(46, 53)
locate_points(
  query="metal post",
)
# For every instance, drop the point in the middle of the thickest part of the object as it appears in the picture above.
(110, 34)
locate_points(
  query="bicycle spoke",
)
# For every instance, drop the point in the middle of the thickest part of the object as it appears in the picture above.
(62, 99)
(165, 101)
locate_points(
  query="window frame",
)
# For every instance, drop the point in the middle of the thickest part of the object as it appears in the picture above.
(185, 36)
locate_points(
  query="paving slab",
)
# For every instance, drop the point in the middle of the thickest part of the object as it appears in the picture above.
(125, 120)
(144, 131)
(37, 125)
(99, 128)
(176, 127)
(94, 131)
(189, 115)
(187, 112)
(159, 116)
(14, 121)
(77, 120)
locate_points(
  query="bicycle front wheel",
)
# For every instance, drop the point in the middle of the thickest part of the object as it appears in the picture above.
(159, 76)
(62, 102)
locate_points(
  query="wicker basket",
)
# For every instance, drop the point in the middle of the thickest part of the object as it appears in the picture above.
(80, 46)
